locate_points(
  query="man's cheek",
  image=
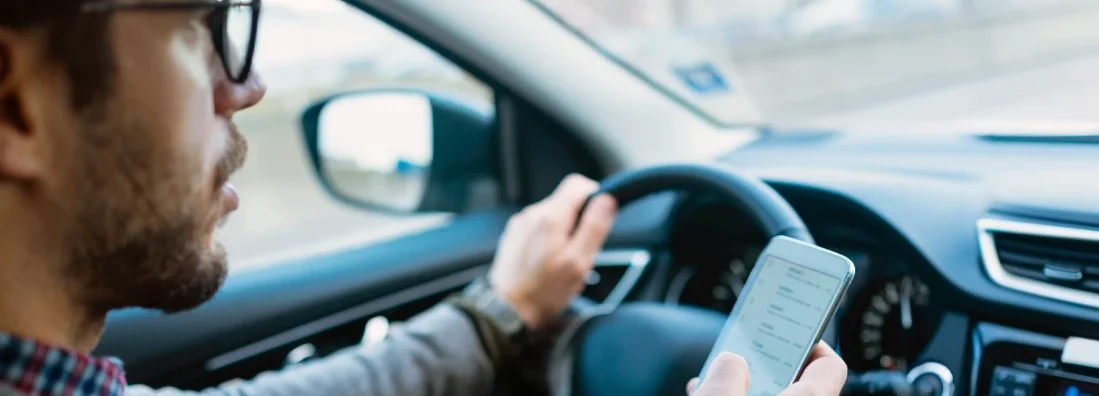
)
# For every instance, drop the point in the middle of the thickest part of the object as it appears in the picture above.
(191, 50)
(199, 128)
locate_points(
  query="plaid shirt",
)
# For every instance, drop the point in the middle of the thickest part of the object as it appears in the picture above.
(33, 369)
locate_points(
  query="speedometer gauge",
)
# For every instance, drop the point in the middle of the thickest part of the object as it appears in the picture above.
(889, 325)
(717, 286)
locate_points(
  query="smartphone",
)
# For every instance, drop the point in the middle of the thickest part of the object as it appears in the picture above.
(791, 295)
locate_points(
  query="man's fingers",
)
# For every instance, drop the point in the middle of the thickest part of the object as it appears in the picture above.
(822, 350)
(574, 189)
(569, 196)
(727, 376)
(595, 225)
(825, 374)
(691, 385)
(573, 181)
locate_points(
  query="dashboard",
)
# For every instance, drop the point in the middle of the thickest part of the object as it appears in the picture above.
(932, 284)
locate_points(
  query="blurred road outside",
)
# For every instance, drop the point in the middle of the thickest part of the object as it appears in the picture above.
(802, 59)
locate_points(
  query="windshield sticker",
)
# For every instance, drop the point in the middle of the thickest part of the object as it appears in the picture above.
(703, 79)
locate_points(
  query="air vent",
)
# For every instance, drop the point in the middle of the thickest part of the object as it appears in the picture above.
(1052, 261)
(1068, 262)
(615, 274)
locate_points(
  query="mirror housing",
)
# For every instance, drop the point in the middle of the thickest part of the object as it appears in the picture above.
(403, 151)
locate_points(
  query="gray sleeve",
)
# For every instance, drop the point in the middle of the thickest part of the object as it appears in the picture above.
(437, 353)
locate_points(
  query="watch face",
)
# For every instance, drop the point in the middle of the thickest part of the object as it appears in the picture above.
(509, 321)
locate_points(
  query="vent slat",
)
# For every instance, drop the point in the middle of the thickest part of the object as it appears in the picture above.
(1025, 272)
(1021, 259)
(1054, 249)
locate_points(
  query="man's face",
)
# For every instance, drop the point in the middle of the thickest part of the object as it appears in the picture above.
(139, 179)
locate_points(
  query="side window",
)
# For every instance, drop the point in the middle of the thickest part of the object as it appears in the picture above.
(375, 141)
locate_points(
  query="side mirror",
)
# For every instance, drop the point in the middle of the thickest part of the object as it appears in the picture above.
(403, 151)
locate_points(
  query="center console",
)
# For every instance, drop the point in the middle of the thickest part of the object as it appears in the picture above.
(1014, 362)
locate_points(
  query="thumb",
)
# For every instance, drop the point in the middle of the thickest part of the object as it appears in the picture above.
(727, 376)
(691, 385)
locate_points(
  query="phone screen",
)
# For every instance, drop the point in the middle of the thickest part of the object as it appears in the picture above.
(778, 322)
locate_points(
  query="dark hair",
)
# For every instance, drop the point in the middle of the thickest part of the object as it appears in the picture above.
(79, 41)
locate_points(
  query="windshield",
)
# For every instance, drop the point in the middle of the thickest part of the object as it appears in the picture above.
(798, 60)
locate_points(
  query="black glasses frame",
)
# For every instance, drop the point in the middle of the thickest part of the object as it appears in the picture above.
(219, 21)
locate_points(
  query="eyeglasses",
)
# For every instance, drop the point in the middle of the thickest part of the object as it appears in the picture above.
(233, 26)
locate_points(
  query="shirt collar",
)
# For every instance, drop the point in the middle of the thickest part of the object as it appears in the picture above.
(35, 369)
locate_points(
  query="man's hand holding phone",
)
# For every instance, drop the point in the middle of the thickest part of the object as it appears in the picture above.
(728, 376)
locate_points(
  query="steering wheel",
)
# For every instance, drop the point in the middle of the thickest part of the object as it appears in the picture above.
(647, 348)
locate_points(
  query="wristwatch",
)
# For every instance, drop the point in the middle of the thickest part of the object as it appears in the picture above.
(482, 298)
(501, 330)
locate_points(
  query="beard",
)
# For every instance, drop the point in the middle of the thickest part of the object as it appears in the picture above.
(140, 235)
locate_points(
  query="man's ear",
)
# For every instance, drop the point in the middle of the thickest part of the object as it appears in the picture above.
(19, 158)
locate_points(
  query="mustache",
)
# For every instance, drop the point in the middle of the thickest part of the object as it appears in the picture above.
(234, 155)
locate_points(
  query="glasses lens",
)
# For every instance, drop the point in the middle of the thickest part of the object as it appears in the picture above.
(238, 37)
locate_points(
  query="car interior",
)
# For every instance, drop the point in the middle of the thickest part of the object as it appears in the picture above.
(977, 256)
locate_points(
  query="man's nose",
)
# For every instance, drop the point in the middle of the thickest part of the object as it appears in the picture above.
(231, 97)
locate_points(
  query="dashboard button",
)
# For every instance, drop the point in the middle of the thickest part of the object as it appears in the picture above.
(1007, 381)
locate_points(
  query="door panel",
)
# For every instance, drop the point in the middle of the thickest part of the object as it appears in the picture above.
(322, 336)
(295, 302)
